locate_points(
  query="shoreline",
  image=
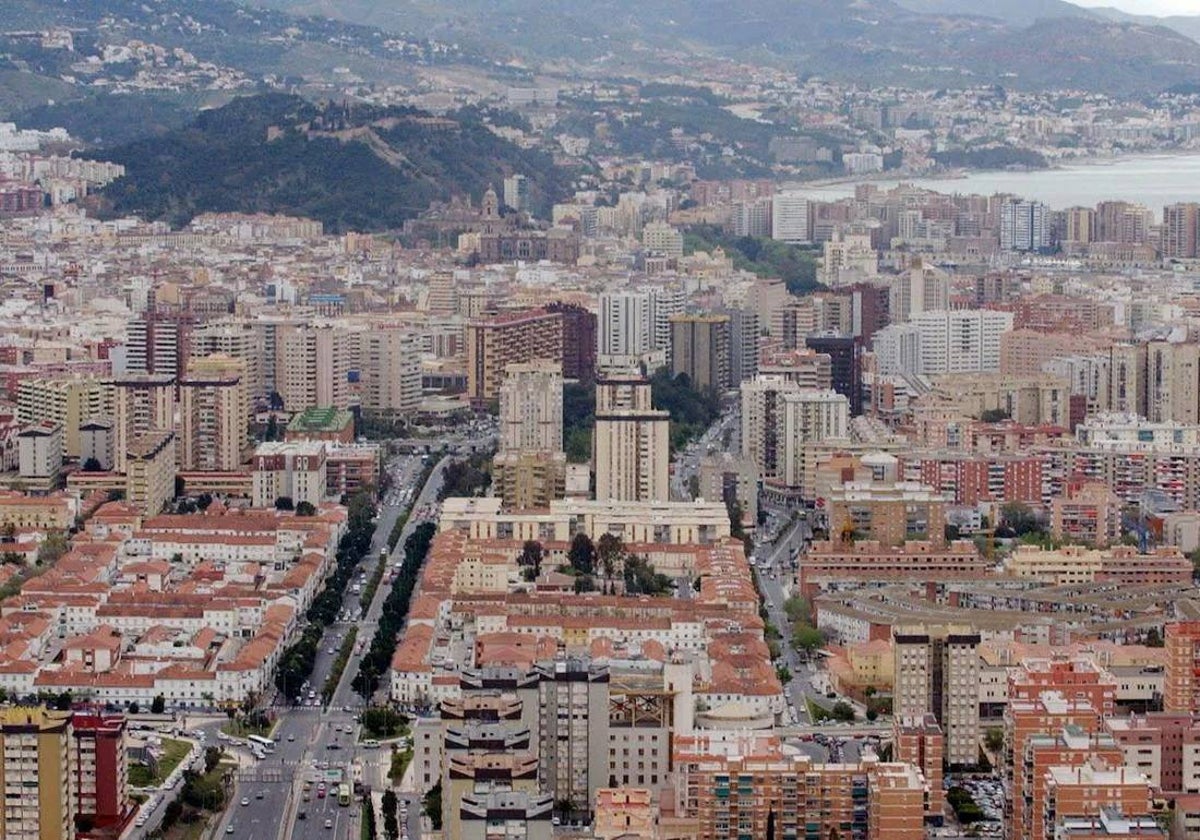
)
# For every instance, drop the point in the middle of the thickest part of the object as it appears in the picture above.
(946, 181)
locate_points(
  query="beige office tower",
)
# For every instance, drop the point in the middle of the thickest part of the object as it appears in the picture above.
(243, 341)
(391, 372)
(214, 415)
(531, 408)
(142, 404)
(67, 402)
(922, 288)
(937, 672)
(631, 447)
(442, 297)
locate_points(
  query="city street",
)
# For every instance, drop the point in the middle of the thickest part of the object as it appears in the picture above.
(268, 799)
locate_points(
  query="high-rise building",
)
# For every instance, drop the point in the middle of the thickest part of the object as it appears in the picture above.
(391, 372)
(68, 403)
(626, 326)
(214, 415)
(39, 452)
(142, 405)
(156, 345)
(36, 760)
(700, 348)
(660, 238)
(1081, 225)
(937, 672)
(101, 771)
(1172, 382)
(150, 471)
(961, 340)
(573, 732)
(531, 408)
(762, 423)
(1024, 226)
(744, 338)
(516, 193)
(810, 417)
(1181, 231)
(921, 288)
(789, 218)
(488, 814)
(579, 340)
(442, 294)
(631, 444)
(1127, 378)
(752, 217)
(312, 365)
(495, 343)
(1181, 691)
(918, 740)
(845, 357)
(1124, 222)
(242, 341)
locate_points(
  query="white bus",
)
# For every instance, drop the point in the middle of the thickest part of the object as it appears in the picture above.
(265, 743)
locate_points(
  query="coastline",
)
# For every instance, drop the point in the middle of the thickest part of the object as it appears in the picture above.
(961, 173)
(1153, 179)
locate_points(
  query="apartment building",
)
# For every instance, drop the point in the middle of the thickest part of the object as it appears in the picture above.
(214, 414)
(142, 405)
(630, 446)
(101, 770)
(738, 784)
(1182, 690)
(888, 512)
(937, 672)
(37, 766)
(295, 470)
(240, 340)
(573, 732)
(918, 741)
(918, 289)
(390, 378)
(150, 471)
(511, 338)
(701, 349)
(531, 405)
(68, 403)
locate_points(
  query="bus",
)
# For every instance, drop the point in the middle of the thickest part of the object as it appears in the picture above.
(265, 743)
(343, 794)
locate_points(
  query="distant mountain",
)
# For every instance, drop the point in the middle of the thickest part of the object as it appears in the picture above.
(1188, 25)
(1019, 13)
(353, 168)
(944, 42)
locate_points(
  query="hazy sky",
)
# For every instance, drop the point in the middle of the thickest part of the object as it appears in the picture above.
(1148, 7)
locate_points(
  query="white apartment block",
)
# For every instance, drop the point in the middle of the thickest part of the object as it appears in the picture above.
(531, 406)
(789, 218)
(961, 340)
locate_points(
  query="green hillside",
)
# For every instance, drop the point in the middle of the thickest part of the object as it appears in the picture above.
(353, 168)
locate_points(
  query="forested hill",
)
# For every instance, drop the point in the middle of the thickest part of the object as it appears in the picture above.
(352, 167)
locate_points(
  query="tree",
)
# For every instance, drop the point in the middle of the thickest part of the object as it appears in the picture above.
(432, 804)
(284, 503)
(797, 609)
(1020, 518)
(158, 705)
(1154, 638)
(92, 465)
(531, 557)
(582, 554)
(808, 638)
(9, 532)
(134, 707)
(306, 508)
(843, 711)
(12, 558)
(609, 549)
(993, 739)
(212, 757)
(172, 813)
(390, 826)
(53, 547)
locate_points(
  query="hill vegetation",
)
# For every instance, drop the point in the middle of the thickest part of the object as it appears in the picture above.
(352, 168)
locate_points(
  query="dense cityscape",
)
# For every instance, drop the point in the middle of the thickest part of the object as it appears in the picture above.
(407, 433)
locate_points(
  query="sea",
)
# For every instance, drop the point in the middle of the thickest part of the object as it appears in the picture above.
(1153, 180)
